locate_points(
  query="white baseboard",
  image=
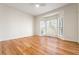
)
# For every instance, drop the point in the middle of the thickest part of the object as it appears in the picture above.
(63, 38)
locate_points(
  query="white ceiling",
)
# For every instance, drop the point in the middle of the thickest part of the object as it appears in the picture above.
(29, 8)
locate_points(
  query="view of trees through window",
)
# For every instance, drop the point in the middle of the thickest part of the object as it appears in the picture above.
(52, 27)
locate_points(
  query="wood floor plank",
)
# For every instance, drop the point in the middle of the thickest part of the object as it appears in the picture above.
(38, 45)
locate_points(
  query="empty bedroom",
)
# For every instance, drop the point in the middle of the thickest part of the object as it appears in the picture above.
(39, 29)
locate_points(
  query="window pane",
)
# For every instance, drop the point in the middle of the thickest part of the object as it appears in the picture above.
(42, 27)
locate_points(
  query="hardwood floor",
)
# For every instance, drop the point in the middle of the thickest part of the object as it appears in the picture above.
(38, 45)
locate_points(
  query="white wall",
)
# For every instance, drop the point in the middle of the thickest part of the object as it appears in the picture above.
(14, 23)
(70, 21)
(78, 22)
